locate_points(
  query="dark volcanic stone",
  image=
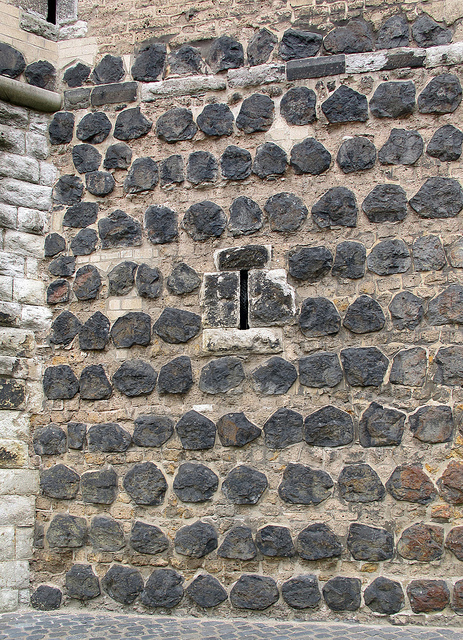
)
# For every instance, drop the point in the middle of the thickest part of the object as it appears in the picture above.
(149, 282)
(171, 170)
(163, 589)
(283, 428)
(310, 156)
(449, 366)
(427, 32)
(106, 534)
(93, 383)
(225, 53)
(161, 224)
(41, 74)
(270, 161)
(202, 167)
(149, 63)
(64, 328)
(49, 441)
(346, 105)
(122, 278)
(99, 183)
(274, 377)
(60, 383)
(67, 531)
(61, 128)
(349, 261)
(108, 437)
(221, 375)
(286, 212)
(454, 542)
(118, 156)
(409, 367)
(109, 69)
(319, 317)
(76, 76)
(12, 62)
(355, 37)
(216, 120)
(328, 427)
(364, 315)
(68, 190)
(402, 147)
(457, 600)
(450, 483)
(388, 257)
(432, 424)
(87, 283)
(441, 95)
(195, 431)
(386, 203)
(356, 154)
(381, 427)
(238, 544)
(195, 482)
(131, 124)
(299, 44)
(310, 263)
(246, 216)
(94, 128)
(384, 596)
(256, 114)
(204, 220)
(196, 540)
(426, 596)
(318, 542)
(298, 106)
(145, 484)
(185, 61)
(336, 208)
(130, 329)
(253, 256)
(369, 543)
(301, 592)
(235, 163)
(254, 592)
(393, 100)
(422, 542)
(82, 583)
(438, 198)
(12, 395)
(81, 215)
(406, 310)
(260, 47)
(54, 244)
(275, 541)
(99, 487)
(175, 125)
(244, 485)
(176, 376)
(177, 326)
(206, 591)
(320, 370)
(343, 594)
(183, 279)
(58, 291)
(360, 483)
(303, 485)
(143, 176)
(123, 584)
(46, 598)
(446, 144)
(85, 158)
(409, 483)
(135, 378)
(235, 430)
(77, 432)
(152, 430)
(147, 538)
(394, 33)
(59, 482)
(84, 243)
(94, 334)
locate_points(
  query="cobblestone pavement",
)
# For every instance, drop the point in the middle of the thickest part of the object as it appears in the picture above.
(108, 626)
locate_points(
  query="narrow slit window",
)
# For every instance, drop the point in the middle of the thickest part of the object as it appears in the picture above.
(51, 13)
(244, 301)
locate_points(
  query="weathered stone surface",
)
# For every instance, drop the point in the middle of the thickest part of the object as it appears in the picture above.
(147, 538)
(389, 257)
(428, 254)
(216, 120)
(364, 315)
(254, 592)
(175, 125)
(252, 256)
(81, 215)
(235, 164)
(196, 540)
(441, 95)
(60, 383)
(61, 128)
(76, 76)
(163, 589)
(457, 600)
(438, 198)
(68, 190)
(152, 430)
(260, 47)
(303, 485)
(360, 483)
(225, 53)
(409, 483)
(12, 62)
(93, 383)
(64, 328)
(94, 128)
(202, 167)
(271, 298)
(343, 594)
(356, 154)
(386, 203)
(328, 427)
(87, 283)
(310, 263)
(283, 428)
(123, 584)
(246, 216)
(402, 147)
(82, 583)
(301, 592)
(370, 544)
(346, 105)
(122, 278)
(94, 334)
(317, 542)
(270, 161)
(148, 282)
(185, 61)
(394, 33)
(99, 183)
(204, 220)
(244, 485)
(195, 431)
(406, 310)
(145, 484)
(426, 596)
(384, 596)
(274, 377)
(99, 487)
(238, 544)
(171, 171)
(381, 426)
(177, 326)
(12, 395)
(299, 44)
(256, 114)
(220, 299)
(393, 99)
(59, 482)
(119, 230)
(449, 363)
(319, 317)
(355, 37)
(77, 98)
(286, 212)
(130, 329)
(235, 430)
(320, 370)
(106, 534)
(41, 74)
(422, 542)
(350, 260)
(446, 143)
(77, 432)
(46, 598)
(183, 279)
(176, 376)
(118, 156)
(66, 531)
(109, 69)
(49, 441)
(85, 158)
(135, 378)
(336, 208)
(298, 106)
(149, 62)
(118, 93)
(432, 424)
(54, 244)
(206, 591)
(310, 156)
(143, 176)
(161, 224)
(221, 375)
(275, 541)
(427, 32)
(131, 124)
(195, 482)
(409, 367)
(58, 291)
(109, 437)
(447, 307)
(451, 482)
(454, 542)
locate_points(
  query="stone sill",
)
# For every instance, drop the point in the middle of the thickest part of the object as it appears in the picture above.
(233, 341)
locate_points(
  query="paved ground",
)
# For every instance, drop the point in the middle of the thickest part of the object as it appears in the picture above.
(107, 626)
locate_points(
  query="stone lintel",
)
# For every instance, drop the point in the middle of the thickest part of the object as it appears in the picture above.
(253, 76)
(315, 67)
(181, 87)
(233, 341)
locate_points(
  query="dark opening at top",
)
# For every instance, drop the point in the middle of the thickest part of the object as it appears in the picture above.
(51, 13)
(244, 302)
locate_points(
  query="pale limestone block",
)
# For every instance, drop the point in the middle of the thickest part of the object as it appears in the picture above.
(31, 220)
(15, 341)
(14, 574)
(14, 424)
(24, 543)
(28, 291)
(19, 167)
(365, 62)
(37, 146)
(254, 76)
(17, 510)
(13, 454)
(231, 341)
(191, 85)
(7, 544)
(8, 216)
(11, 264)
(6, 289)
(447, 54)
(9, 600)
(15, 367)
(48, 174)
(12, 140)
(13, 116)
(24, 194)
(36, 318)
(23, 244)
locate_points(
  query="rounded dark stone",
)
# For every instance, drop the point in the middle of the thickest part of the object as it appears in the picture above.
(283, 429)
(310, 156)
(260, 47)
(427, 32)
(204, 220)
(336, 208)
(64, 328)
(235, 163)
(147, 538)
(221, 375)
(446, 144)
(356, 154)
(454, 542)
(202, 167)
(298, 106)
(301, 592)
(246, 216)
(123, 584)
(99, 487)
(449, 370)
(85, 158)
(206, 591)
(238, 544)
(185, 61)
(175, 125)
(389, 257)
(76, 435)
(438, 198)
(163, 589)
(370, 544)
(457, 600)
(152, 430)
(59, 482)
(81, 215)
(355, 37)
(225, 53)
(406, 310)
(235, 430)
(76, 76)
(318, 542)
(384, 596)
(135, 378)
(364, 315)
(360, 483)
(54, 244)
(195, 482)
(149, 282)
(46, 598)
(409, 367)
(393, 33)
(393, 100)
(274, 377)
(61, 128)
(303, 485)
(145, 484)
(422, 542)
(68, 190)
(195, 431)
(109, 69)
(441, 95)
(450, 483)
(94, 334)
(66, 531)
(402, 147)
(143, 176)
(93, 383)
(122, 278)
(130, 329)
(381, 426)
(328, 427)
(99, 183)
(171, 170)
(447, 307)
(254, 592)
(176, 376)
(319, 317)
(343, 594)
(183, 279)
(94, 128)
(118, 156)
(149, 62)
(216, 120)
(106, 534)
(50, 440)
(286, 212)
(350, 260)
(409, 483)
(108, 437)
(244, 485)
(256, 114)
(177, 326)
(386, 203)
(41, 74)
(320, 370)
(299, 44)
(310, 263)
(12, 62)
(58, 291)
(84, 242)
(275, 541)
(196, 540)
(432, 424)
(270, 161)
(87, 283)
(364, 366)
(82, 583)
(346, 105)
(161, 224)
(60, 383)
(131, 124)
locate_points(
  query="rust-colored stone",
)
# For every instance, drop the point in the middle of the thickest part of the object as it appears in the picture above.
(451, 483)
(428, 595)
(454, 542)
(409, 482)
(457, 600)
(422, 542)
